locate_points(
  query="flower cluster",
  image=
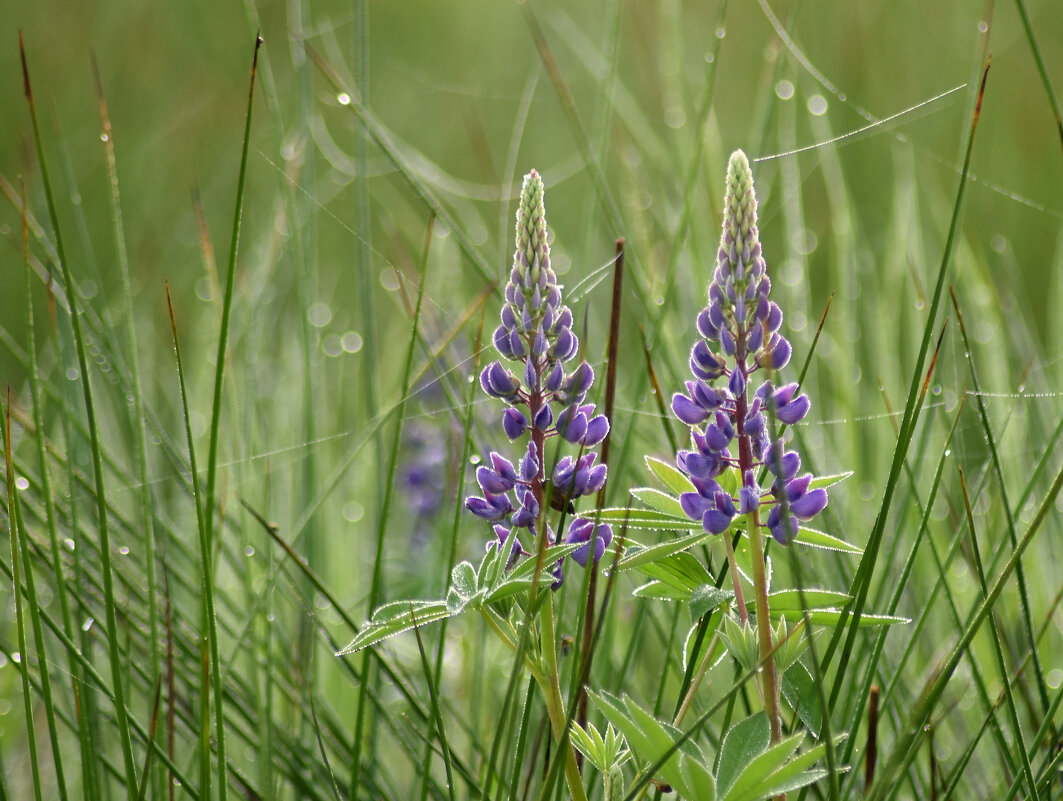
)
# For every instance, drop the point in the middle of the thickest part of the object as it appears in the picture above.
(536, 333)
(740, 336)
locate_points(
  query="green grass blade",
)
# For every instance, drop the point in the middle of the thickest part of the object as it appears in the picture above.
(117, 668)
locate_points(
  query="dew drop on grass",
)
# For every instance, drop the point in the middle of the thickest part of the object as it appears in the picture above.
(389, 279)
(249, 550)
(72, 373)
(709, 58)
(721, 32)
(124, 550)
(353, 511)
(817, 105)
(319, 315)
(16, 657)
(22, 483)
(998, 243)
(104, 137)
(983, 26)
(69, 543)
(784, 90)
(352, 342)
(474, 459)
(343, 99)
(87, 624)
(204, 290)
(1054, 678)
(674, 117)
(332, 345)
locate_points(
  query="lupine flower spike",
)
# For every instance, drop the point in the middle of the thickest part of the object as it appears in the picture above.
(740, 337)
(536, 334)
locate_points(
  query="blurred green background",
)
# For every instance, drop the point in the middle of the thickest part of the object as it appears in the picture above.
(332, 240)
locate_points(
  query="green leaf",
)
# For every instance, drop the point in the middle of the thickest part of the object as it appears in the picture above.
(828, 481)
(819, 539)
(700, 784)
(682, 570)
(587, 746)
(639, 556)
(796, 773)
(754, 781)
(661, 501)
(742, 743)
(831, 618)
(463, 580)
(799, 690)
(644, 518)
(670, 476)
(649, 740)
(790, 600)
(660, 591)
(705, 598)
(395, 618)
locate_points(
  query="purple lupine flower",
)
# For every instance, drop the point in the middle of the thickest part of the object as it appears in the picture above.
(545, 399)
(729, 424)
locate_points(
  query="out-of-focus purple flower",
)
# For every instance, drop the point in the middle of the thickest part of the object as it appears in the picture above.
(730, 425)
(546, 396)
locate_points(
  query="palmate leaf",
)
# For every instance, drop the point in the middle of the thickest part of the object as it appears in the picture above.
(649, 740)
(468, 589)
(773, 771)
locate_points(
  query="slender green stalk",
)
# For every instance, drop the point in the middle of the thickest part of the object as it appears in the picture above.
(20, 614)
(117, 670)
(1005, 678)
(49, 504)
(207, 642)
(146, 521)
(207, 522)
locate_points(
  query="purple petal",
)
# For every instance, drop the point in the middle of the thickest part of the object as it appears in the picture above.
(554, 379)
(694, 505)
(727, 342)
(794, 411)
(785, 532)
(810, 504)
(514, 423)
(544, 417)
(490, 481)
(597, 428)
(687, 411)
(715, 521)
(529, 464)
(696, 464)
(737, 383)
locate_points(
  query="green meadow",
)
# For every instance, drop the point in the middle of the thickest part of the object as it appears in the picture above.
(241, 335)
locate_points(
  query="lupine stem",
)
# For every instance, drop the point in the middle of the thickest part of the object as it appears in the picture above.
(555, 706)
(764, 634)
